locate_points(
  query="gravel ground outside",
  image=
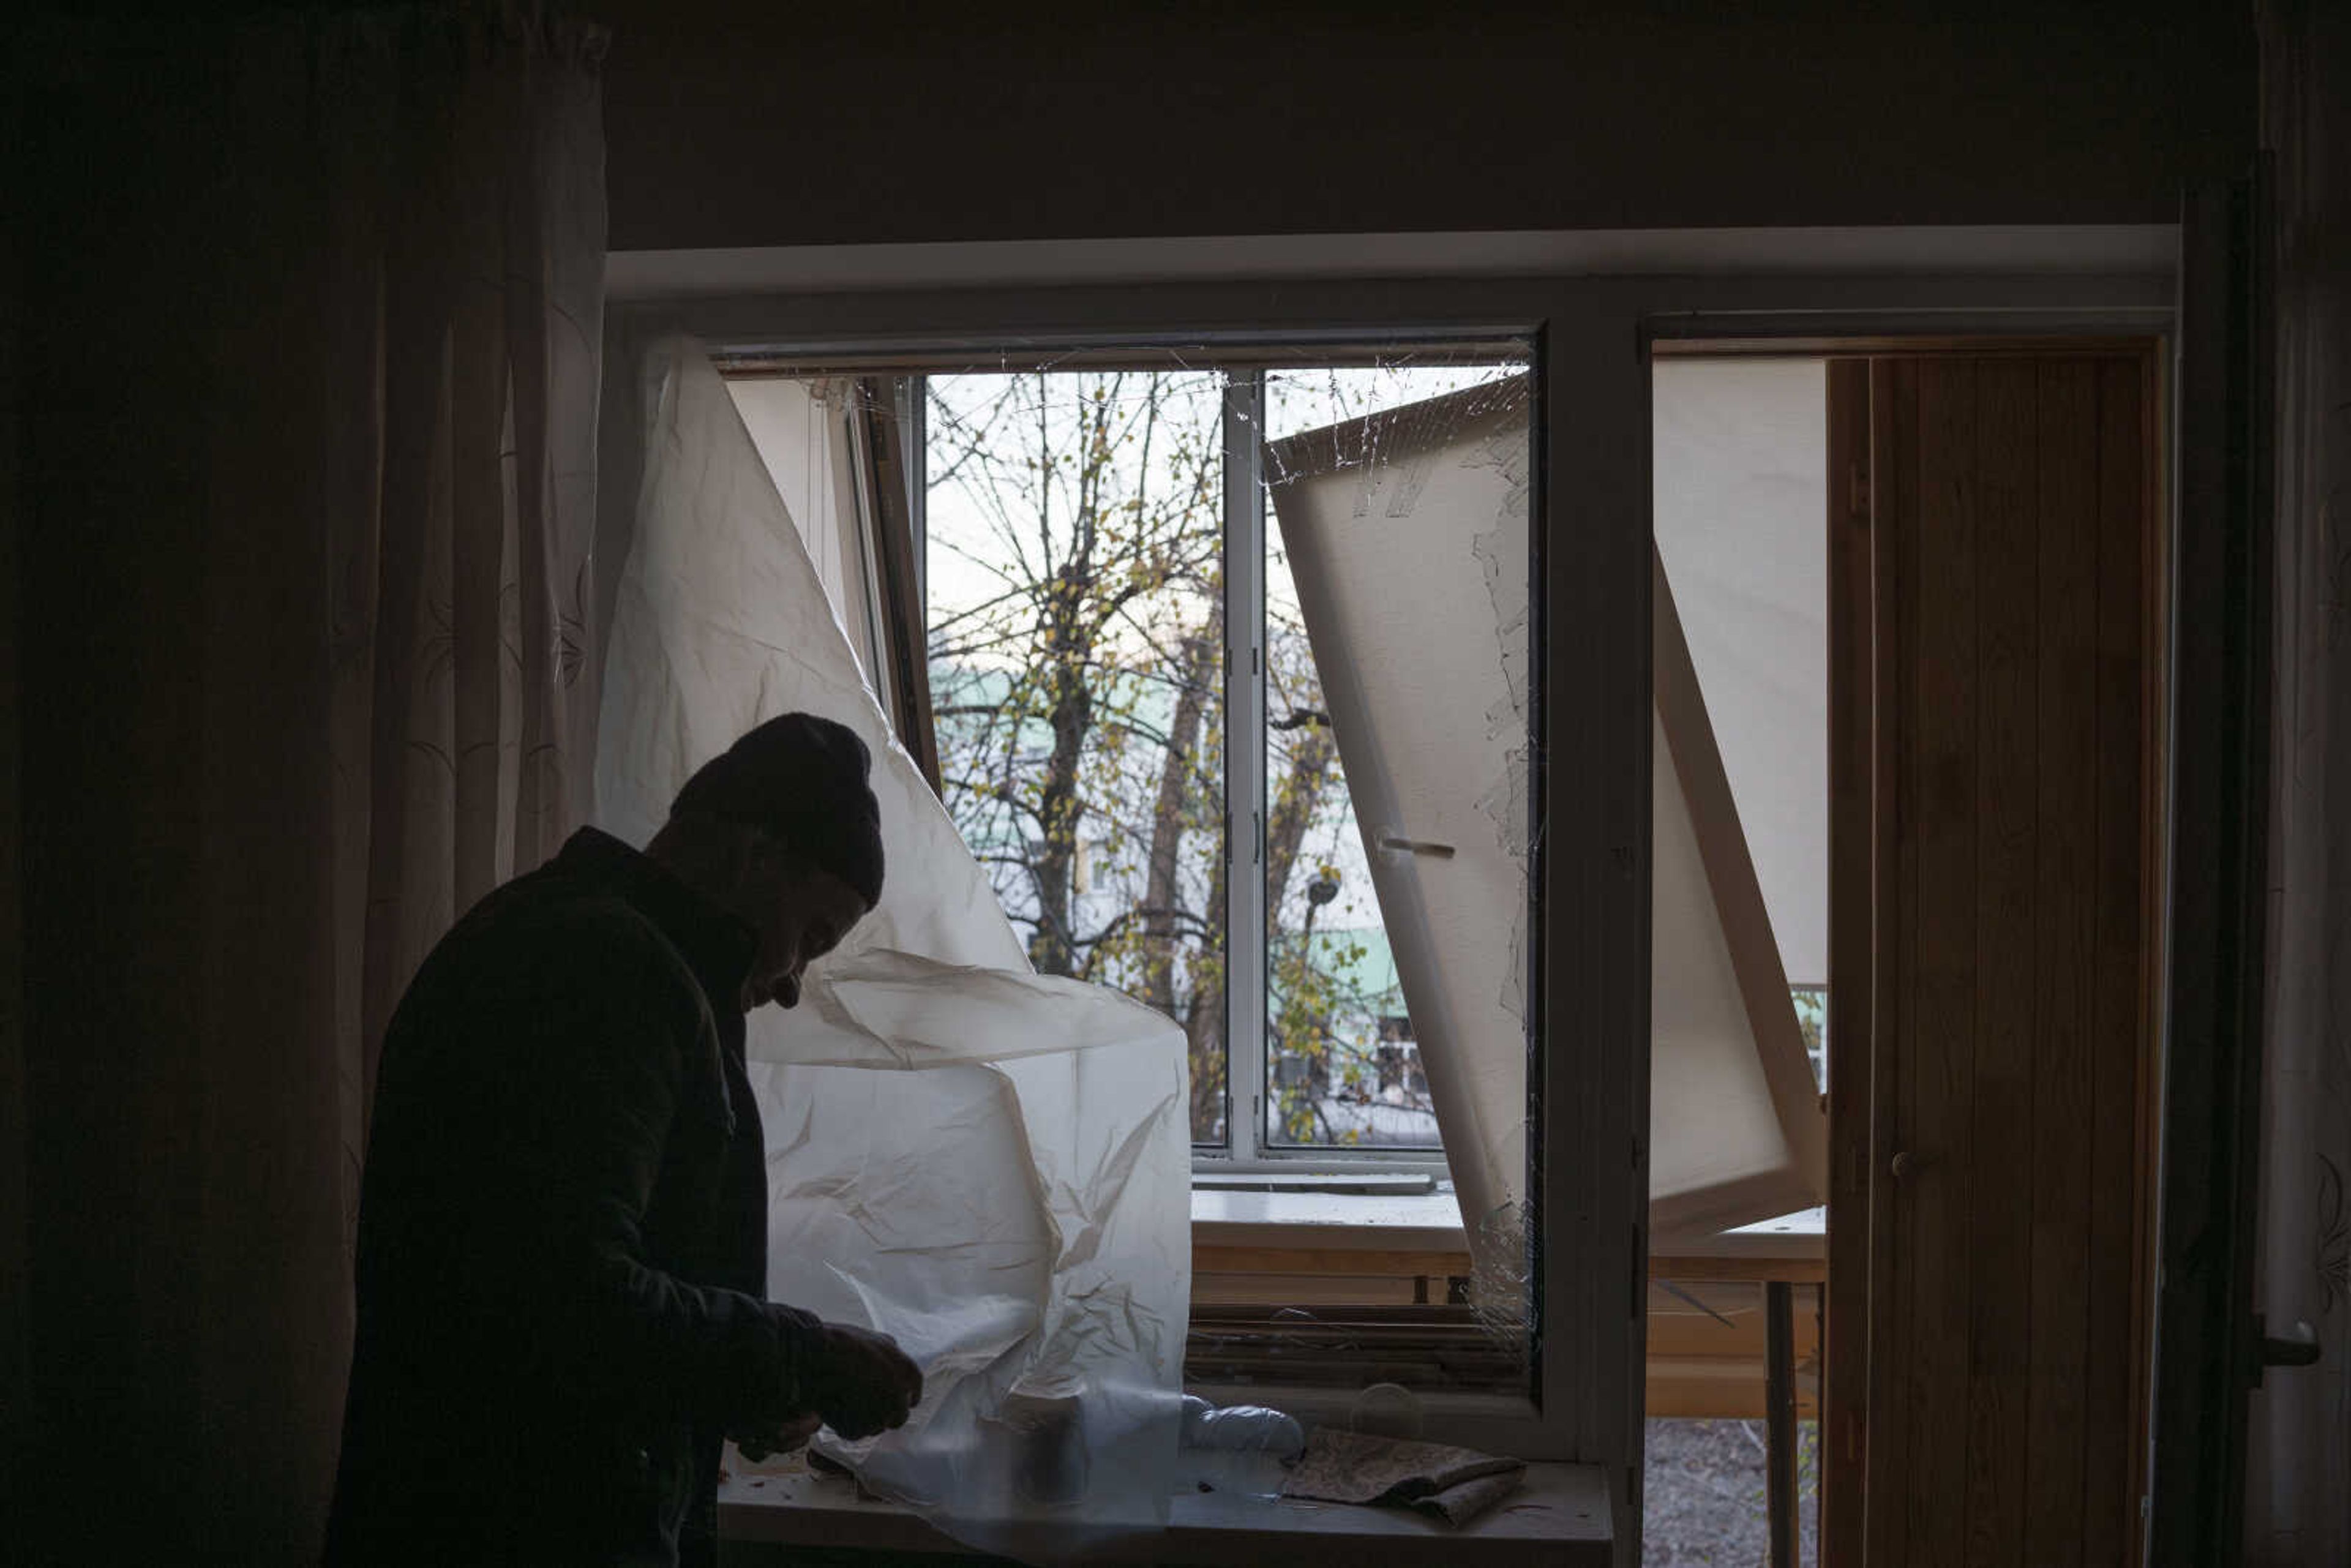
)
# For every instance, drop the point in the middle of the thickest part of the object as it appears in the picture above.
(1703, 1490)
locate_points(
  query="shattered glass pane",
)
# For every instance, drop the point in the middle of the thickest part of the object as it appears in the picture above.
(1398, 660)
(1344, 1060)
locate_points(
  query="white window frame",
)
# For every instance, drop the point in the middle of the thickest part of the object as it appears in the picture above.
(1591, 302)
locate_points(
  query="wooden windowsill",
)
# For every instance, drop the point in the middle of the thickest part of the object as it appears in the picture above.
(1559, 1519)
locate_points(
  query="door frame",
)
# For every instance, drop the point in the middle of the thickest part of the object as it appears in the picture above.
(2204, 1356)
(2207, 1350)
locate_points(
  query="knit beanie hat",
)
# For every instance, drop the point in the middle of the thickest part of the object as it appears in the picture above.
(802, 779)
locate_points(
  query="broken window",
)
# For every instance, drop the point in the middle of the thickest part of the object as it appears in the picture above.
(1231, 669)
(1136, 736)
(1227, 667)
(1396, 847)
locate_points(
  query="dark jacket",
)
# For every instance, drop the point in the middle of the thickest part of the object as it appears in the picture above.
(562, 1235)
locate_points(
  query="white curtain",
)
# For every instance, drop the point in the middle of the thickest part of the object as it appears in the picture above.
(309, 485)
(2298, 1479)
(465, 697)
(991, 1164)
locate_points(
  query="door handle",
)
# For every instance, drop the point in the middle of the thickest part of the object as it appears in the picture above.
(2300, 1349)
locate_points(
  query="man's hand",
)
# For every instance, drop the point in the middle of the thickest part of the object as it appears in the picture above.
(781, 1439)
(861, 1382)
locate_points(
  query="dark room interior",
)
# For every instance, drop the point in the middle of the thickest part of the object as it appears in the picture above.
(405, 404)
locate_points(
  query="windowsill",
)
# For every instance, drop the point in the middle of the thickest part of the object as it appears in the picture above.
(1801, 1237)
(1559, 1517)
(1399, 1184)
(1314, 1220)
(1264, 1246)
(1420, 1234)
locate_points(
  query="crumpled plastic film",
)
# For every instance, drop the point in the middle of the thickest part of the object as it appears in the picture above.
(991, 1164)
(1243, 1449)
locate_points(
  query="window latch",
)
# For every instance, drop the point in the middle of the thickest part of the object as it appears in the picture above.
(2299, 1349)
(1396, 843)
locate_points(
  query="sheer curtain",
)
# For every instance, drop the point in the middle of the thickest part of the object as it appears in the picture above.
(309, 405)
(2297, 1508)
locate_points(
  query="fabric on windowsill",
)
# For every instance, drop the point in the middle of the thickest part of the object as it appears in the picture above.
(1453, 1484)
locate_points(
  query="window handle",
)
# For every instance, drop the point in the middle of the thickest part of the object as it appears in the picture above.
(2300, 1349)
(1402, 845)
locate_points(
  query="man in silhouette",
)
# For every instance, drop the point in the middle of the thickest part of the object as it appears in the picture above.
(562, 1241)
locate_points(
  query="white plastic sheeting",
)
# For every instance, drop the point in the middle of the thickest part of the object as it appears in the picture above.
(991, 1164)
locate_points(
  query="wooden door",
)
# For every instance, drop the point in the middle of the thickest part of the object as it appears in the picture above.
(1992, 739)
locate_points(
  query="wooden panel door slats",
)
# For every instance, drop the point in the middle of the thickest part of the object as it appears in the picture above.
(1938, 772)
(2064, 1102)
(2122, 1085)
(1893, 413)
(2009, 427)
(2010, 636)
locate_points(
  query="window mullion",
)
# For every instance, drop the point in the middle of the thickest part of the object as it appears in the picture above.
(1244, 615)
(913, 412)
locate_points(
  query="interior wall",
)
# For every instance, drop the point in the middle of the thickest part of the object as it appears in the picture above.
(733, 125)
